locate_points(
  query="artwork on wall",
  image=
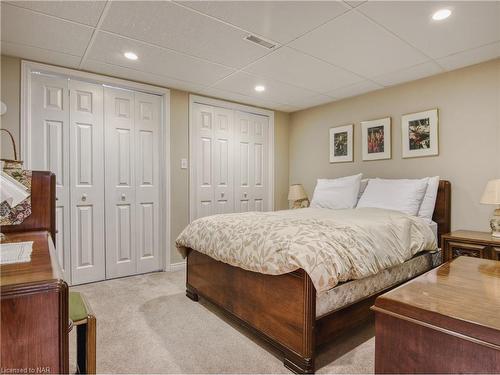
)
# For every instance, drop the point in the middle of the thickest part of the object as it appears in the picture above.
(341, 144)
(420, 134)
(376, 139)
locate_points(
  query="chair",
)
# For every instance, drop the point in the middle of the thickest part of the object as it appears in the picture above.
(83, 318)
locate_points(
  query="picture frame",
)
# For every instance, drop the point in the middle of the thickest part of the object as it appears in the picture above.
(420, 134)
(376, 139)
(341, 144)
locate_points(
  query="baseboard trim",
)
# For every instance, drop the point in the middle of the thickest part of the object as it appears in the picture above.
(177, 266)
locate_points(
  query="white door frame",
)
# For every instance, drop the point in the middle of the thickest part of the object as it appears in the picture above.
(29, 67)
(238, 107)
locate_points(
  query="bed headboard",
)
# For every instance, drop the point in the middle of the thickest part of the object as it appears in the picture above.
(442, 210)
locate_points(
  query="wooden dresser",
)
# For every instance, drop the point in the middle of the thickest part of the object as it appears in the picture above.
(470, 243)
(34, 310)
(34, 297)
(444, 321)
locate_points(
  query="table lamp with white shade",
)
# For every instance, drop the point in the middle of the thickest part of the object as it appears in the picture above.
(297, 196)
(491, 195)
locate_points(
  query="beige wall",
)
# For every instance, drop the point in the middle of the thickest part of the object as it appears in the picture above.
(10, 71)
(179, 111)
(469, 120)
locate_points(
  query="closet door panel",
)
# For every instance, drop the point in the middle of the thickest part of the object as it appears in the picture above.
(223, 161)
(147, 181)
(204, 175)
(244, 162)
(50, 134)
(87, 182)
(261, 168)
(121, 249)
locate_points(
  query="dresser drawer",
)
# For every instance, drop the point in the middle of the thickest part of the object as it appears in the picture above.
(495, 253)
(457, 249)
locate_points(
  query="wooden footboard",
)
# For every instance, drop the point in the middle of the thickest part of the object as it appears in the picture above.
(280, 309)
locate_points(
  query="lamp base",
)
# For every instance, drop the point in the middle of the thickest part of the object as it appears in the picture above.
(495, 225)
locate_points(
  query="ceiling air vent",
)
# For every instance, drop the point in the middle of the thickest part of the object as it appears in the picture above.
(260, 42)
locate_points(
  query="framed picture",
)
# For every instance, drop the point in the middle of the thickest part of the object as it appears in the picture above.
(341, 144)
(376, 139)
(420, 134)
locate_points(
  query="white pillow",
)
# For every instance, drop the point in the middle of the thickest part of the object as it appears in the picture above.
(429, 202)
(336, 193)
(362, 186)
(399, 195)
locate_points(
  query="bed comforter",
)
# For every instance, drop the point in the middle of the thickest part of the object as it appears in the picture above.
(332, 246)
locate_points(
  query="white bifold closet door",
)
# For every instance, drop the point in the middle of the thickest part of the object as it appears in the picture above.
(102, 143)
(230, 161)
(87, 182)
(251, 161)
(49, 141)
(132, 182)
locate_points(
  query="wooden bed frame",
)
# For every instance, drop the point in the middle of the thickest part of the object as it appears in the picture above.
(281, 309)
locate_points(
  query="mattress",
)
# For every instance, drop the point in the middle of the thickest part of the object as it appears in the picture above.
(352, 291)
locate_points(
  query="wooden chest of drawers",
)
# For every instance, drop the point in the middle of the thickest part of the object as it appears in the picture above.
(471, 244)
(444, 321)
(34, 311)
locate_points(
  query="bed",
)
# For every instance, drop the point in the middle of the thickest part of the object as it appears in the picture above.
(284, 309)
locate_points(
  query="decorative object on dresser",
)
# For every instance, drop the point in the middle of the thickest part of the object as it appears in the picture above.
(420, 134)
(491, 195)
(34, 296)
(470, 243)
(444, 321)
(341, 144)
(297, 196)
(376, 139)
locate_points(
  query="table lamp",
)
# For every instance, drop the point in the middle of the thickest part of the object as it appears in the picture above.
(491, 195)
(297, 196)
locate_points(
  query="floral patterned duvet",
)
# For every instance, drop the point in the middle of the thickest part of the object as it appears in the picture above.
(332, 246)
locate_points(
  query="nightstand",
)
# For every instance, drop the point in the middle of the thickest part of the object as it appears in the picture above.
(470, 243)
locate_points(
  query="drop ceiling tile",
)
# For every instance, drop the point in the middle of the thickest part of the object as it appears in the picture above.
(470, 57)
(110, 48)
(281, 21)
(471, 24)
(238, 98)
(354, 42)
(410, 74)
(294, 67)
(22, 26)
(312, 101)
(244, 83)
(86, 12)
(138, 76)
(169, 25)
(355, 4)
(39, 55)
(353, 90)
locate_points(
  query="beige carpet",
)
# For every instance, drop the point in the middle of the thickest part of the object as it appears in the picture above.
(146, 324)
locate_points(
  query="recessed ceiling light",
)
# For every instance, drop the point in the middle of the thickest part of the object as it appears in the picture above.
(260, 88)
(130, 55)
(441, 14)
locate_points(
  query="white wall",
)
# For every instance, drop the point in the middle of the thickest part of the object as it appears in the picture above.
(469, 115)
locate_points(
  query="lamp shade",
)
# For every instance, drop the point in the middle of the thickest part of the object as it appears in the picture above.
(296, 193)
(491, 193)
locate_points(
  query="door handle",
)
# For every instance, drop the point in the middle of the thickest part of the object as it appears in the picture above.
(84, 197)
(245, 195)
(222, 195)
(123, 197)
